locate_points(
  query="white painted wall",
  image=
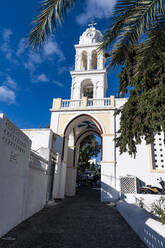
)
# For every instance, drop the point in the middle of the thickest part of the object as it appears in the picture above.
(40, 137)
(70, 187)
(36, 186)
(57, 178)
(24, 175)
(139, 166)
(14, 160)
(149, 230)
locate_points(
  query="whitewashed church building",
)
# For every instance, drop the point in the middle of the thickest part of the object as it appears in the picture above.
(90, 111)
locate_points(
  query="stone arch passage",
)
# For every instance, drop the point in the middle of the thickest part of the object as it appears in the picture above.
(76, 130)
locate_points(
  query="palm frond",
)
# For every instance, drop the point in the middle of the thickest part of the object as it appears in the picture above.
(132, 18)
(51, 12)
(154, 41)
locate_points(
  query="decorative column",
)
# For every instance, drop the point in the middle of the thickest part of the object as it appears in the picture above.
(70, 186)
(100, 61)
(89, 61)
(108, 164)
(77, 61)
(63, 168)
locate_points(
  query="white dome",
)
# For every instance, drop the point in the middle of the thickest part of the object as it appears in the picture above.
(91, 36)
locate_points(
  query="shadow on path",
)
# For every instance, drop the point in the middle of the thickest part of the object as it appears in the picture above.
(77, 222)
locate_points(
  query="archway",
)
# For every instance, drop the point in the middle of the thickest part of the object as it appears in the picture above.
(76, 130)
(88, 164)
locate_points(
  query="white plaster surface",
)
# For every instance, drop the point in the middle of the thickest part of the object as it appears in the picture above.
(62, 180)
(70, 188)
(57, 178)
(108, 191)
(149, 230)
(36, 187)
(14, 159)
(24, 175)
(139, 167)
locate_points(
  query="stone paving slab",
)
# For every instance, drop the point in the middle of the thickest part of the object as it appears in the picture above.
(78, 222)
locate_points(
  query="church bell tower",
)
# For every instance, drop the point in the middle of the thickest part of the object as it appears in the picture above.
(89, 79)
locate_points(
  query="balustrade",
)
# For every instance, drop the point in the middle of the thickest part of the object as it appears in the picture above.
(71, 103)
(94, 103)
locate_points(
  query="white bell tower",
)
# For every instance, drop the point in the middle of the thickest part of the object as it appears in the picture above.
(89, 77)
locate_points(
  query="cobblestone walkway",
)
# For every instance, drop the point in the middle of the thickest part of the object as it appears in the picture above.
(78, 222)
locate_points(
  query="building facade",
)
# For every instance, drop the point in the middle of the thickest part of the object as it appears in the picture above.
(89, 111)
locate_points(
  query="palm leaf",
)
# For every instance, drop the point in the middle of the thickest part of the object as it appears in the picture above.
(132, 18)
(154, 40)
(51, 12)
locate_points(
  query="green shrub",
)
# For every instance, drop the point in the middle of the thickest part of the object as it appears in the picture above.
(158, 209)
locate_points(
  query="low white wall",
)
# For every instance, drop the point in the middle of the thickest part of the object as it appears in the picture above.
(23, 177)
(149, 230)
(36, 186)
(147, 199)
(14, 160)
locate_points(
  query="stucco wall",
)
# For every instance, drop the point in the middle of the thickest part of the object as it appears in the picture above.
(149, 230)
(14, 159)
(141, 165)
(36, 186)
(40, 137)
(23, 177)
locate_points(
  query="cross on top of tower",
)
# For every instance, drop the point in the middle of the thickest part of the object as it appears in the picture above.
(92, 24)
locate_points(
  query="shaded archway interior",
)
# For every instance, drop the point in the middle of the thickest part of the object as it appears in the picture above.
(76, 130)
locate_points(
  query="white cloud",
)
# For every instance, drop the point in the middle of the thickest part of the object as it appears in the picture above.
(62, 69)
(34, 59)
(41, 78)
(51, 48)
(58, 83)
(96, 9)
(21, 47)
(6, 34)
(7, 95)
(6, 48)
(10, 82)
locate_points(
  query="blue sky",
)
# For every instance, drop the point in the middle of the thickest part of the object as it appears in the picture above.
(29, 81)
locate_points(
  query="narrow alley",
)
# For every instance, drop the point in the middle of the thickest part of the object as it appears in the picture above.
(77, 222)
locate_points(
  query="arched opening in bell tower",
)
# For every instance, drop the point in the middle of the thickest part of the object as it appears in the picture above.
(94, 60)
(84, 61)
(87, 88)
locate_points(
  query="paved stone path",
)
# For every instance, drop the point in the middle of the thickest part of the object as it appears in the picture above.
(78, 222)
